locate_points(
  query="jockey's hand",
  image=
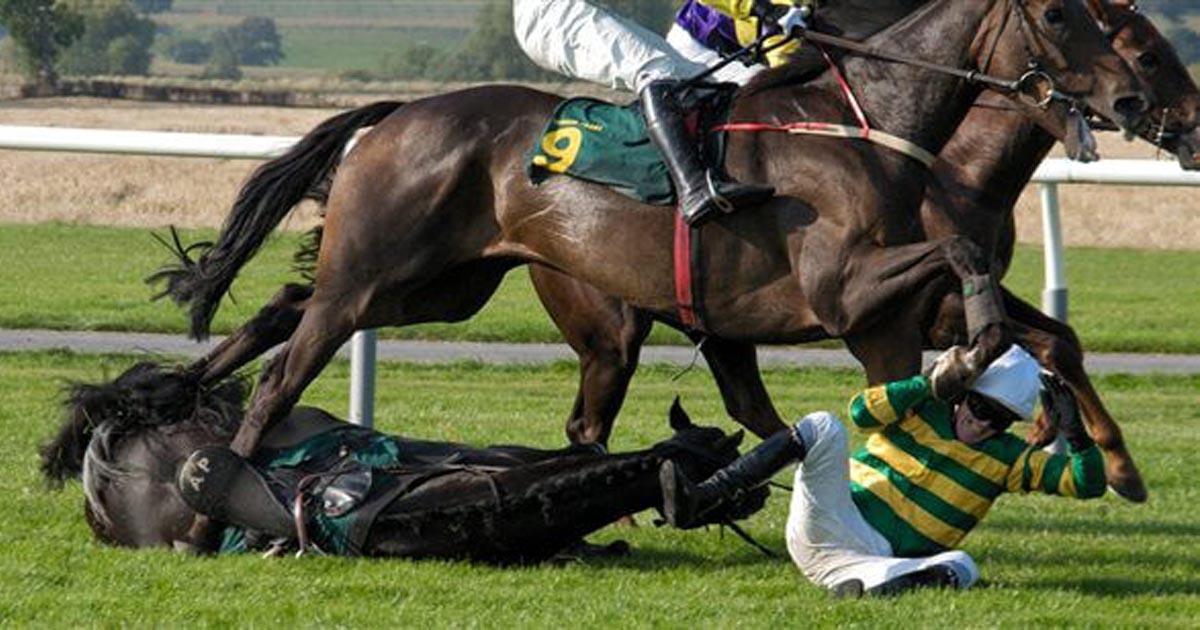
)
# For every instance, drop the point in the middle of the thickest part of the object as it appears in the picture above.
(780, 16)
(767, 11)
(795, 19)
(1060, 405)
(952, 373)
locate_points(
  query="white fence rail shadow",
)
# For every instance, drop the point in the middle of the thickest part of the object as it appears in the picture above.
(1049, 176)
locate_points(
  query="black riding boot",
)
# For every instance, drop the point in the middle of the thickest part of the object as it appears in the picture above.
(685, 504)
(217, 483)
(700, 189)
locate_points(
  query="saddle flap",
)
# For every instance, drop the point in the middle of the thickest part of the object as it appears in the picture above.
(346, 491)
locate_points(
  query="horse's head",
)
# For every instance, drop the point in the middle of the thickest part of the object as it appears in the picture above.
(701, 451)
(125, 439)
(1061, 58)
(1175, 118)
(698, 450)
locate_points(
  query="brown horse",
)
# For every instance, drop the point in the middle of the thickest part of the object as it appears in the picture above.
(974, 189)
(433, 207)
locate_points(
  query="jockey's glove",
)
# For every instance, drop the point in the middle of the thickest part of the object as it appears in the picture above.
(952, 374)
(1063, 410)
(795, 19)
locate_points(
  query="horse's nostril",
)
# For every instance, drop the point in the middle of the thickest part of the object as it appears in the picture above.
(1131, 105)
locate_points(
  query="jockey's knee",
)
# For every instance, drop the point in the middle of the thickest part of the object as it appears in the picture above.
(821, 430)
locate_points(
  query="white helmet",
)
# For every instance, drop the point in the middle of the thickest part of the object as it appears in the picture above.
(1013, 380)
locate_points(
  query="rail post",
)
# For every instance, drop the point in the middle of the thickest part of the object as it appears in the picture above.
(1054, 293)
(362, 378)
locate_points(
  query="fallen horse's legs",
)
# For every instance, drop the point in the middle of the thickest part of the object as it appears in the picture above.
(521, 515)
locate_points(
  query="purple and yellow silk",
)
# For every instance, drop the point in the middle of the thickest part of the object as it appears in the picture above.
(708, 26)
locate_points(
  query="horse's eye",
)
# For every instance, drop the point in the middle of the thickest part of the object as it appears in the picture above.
(1148, 61)
(1055, 16)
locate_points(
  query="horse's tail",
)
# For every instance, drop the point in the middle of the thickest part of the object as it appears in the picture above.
(272, 191)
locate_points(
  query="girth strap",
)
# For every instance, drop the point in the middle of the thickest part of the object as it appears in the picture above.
(688, 274)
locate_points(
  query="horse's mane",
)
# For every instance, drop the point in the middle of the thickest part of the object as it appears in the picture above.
(147, 395)
(852, 19)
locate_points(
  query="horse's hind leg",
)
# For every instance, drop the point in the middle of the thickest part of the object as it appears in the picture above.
(607, 334)
(271, 326)
(1056, 346)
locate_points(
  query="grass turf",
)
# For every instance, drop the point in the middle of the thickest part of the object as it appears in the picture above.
(1047, 561)
(90, 278)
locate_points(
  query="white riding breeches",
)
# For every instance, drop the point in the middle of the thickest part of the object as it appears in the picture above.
(827, 536)
(575, 38)
(736, 72)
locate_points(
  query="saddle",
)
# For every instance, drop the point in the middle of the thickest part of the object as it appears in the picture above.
(607, 144)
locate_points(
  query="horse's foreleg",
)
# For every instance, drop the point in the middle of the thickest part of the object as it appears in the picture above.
(1057, 347)
(271, 326)
(734, 366)
(322, 331)
(887, 284)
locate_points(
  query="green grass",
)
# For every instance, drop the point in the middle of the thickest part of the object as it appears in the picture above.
(1046, 561)
(90, 278)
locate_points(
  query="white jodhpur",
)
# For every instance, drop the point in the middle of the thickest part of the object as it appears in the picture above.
(735, 72)
(580, 40)
(827, 537)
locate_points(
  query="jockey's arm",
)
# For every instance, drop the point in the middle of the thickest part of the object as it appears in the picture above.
(874, 408)
(746, 14)
(1078, 474)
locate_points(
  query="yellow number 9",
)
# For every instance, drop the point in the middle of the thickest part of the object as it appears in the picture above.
(562, 145)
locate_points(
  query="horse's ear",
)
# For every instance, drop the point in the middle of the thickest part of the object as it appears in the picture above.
(733, 440)
(679, 418)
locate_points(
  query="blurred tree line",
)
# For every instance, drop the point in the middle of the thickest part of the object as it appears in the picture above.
(491, 52)
(87, 37)
(47, 38)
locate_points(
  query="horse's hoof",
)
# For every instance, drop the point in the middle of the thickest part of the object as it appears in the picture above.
(186, 548)
(584, 550)
(1126, 481)
(626, 521)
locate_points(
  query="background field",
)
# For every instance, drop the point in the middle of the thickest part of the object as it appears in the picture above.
(1046, 561)
(90, 278)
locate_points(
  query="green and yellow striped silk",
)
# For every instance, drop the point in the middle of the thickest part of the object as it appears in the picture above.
(924, 490)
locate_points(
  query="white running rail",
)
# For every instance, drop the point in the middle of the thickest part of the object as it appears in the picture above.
(1049, 176)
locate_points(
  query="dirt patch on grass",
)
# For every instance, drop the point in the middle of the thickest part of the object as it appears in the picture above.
(107, 190)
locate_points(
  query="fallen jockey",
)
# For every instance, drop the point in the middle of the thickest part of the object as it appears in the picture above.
(580, 40)
(320, 483)
(937, 455)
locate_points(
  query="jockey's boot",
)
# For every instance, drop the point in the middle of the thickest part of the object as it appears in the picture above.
(701, 190)
(215, 482)
(687, 504)
(943, 575)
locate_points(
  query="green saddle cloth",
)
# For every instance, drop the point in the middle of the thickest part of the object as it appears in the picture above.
(604, 144)
(333, 534)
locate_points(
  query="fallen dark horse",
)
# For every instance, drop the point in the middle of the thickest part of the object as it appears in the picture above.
(360, 492)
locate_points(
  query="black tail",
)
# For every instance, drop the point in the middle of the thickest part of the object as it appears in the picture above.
(270, 194)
